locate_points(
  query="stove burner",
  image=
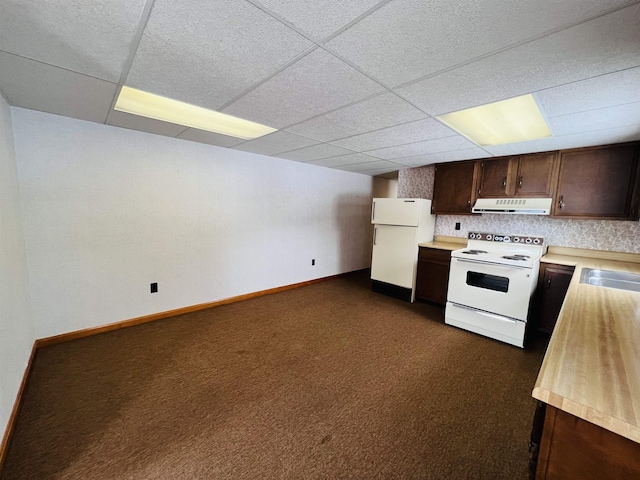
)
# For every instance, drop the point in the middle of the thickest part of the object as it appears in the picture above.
(474, 252)
(516, 257)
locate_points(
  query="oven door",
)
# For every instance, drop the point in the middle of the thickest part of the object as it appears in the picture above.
(501, 289)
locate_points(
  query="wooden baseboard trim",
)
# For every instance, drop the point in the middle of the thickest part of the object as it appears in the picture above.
(4, 446)
(66, 337)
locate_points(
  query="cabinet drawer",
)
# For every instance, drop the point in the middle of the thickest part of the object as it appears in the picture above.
(434, 254)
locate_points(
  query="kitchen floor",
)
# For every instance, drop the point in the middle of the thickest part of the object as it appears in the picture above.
(330, 380)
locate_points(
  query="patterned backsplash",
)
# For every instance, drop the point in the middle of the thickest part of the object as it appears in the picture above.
(416, 182)
(619, 236)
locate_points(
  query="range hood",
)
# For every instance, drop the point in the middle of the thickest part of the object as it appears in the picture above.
(516, 206)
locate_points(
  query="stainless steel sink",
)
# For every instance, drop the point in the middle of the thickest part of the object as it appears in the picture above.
(611, 279)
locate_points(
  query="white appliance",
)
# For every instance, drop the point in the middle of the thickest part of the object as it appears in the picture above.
(520, 206)
(491, 282)
(399, 225)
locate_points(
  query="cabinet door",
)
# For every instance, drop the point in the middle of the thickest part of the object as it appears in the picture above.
(433, 275)
(573, 448)
(454, 188)
(554, 284)
(536, 175)
(598, 183)
(495, 181)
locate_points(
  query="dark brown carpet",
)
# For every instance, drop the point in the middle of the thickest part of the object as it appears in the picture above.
(326, 381)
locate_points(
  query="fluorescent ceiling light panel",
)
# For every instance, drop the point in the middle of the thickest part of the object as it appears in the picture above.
(149, 105)
(508, 121)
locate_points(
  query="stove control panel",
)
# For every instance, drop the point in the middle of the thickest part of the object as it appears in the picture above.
(496, 237)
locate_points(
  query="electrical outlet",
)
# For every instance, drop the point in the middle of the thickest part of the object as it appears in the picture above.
(313, 261)
(154, 288)
(457, 225)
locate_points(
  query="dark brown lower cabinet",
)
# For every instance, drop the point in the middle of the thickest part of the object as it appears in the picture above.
(553, 283)
(572, 448)
(433, 275)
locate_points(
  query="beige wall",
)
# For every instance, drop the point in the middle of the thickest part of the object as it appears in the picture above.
(385, 187)
(16, 329)
(107, 211)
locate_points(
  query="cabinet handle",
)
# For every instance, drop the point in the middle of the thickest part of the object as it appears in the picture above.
(549, 284)
(469, 202)
(504, 182)
(520, 183)
(561, 202)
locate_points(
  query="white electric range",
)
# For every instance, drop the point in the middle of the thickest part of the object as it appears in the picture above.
(491, 283)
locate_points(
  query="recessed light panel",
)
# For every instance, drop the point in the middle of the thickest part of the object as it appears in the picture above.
(138, 102)
(508, 121)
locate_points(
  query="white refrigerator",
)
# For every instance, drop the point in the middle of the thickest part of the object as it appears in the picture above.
(400, 224)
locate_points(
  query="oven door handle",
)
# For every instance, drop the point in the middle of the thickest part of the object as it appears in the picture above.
(479, 262)
(487, 314)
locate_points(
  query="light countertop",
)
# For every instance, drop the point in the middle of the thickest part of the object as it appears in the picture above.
(446, 243)
(592, 365)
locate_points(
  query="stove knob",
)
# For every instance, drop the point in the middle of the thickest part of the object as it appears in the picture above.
(489, 236)
(472, 236)
(528, 240)
(536, 241)
(516, 239)
(507, 239)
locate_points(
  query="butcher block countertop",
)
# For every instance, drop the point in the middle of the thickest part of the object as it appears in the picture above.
(592, 365)
(446, 243)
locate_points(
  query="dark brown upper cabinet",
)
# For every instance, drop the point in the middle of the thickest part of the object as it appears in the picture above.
(530, 176)
(598, 182)
(454, 188)
(496, 177)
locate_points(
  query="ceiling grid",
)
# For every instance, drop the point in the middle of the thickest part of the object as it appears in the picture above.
(350, 85)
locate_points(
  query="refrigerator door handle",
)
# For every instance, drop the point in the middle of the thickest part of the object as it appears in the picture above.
(375, 232)
(373, 211)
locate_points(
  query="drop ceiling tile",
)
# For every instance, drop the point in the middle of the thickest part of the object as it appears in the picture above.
(211, 138)
(601, 46)
(600, 119)
(136, 122)
(30, 84)
(207, 53)
(599, 137)
(466, 154)
(92, 37)
(318, 18)
(275, 143)
(377, 165)
(408, 39)
(378, 112)
(427, 129)
(446, 144)
(343, 160)
(315, 84)
(598, 92)
(315, 152)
